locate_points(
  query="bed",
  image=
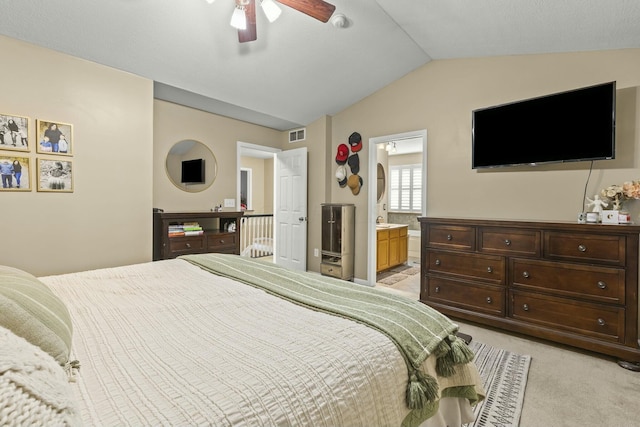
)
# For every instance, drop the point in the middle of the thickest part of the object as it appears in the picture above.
(224, 340)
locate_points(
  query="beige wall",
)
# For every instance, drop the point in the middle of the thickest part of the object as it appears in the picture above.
(106, 221)
(173, 123)
(440, 96)
(261, 183)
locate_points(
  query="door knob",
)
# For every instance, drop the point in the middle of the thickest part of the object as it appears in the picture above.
(304, 218)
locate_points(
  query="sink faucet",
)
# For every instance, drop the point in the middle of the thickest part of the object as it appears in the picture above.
(379, 219)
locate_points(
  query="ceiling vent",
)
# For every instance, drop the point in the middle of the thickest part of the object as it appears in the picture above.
(297, 135)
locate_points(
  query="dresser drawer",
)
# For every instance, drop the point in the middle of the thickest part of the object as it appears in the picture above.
(600, 321)
(451, 237)
(507, 241)
(220, 240)
(488, 268)
(185, 245)
(486, 299)
(604, 284)
(597, 248)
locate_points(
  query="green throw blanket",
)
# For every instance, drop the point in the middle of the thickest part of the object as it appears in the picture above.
(417, 330)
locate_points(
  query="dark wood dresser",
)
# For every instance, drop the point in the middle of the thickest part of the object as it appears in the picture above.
(216, 235)
(576, 284)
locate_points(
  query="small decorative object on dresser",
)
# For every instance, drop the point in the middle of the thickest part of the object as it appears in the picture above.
(181, 233)
(576, 284)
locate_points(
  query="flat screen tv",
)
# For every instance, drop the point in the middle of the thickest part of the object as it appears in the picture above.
(193, 171)
(562, 127)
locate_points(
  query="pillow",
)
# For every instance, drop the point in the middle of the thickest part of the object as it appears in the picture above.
(34, 389)
(32, 311)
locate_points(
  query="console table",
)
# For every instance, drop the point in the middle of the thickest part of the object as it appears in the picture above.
(575, 284)
(216, 236)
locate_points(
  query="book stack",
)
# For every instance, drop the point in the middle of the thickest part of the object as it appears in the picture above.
(185, 229)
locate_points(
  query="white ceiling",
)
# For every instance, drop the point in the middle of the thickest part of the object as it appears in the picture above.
(300, 69)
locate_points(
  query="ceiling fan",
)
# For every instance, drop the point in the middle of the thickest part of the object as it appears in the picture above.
(317, 9)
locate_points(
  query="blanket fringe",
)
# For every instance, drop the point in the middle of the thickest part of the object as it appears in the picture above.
(421, 390)
(451, 352)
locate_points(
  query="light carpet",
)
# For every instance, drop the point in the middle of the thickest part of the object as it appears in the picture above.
(504, 376)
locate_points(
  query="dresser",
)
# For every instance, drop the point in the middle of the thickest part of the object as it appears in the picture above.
(220, 232)
(575, 284)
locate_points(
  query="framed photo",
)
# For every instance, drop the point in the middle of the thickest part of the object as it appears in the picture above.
(14, 133)
(54, 138)
(55, 175)
(15, 173)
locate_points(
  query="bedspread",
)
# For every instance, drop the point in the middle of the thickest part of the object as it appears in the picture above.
(168, 343)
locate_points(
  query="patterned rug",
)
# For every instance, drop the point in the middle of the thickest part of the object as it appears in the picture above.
(504, 376)
(396, 274)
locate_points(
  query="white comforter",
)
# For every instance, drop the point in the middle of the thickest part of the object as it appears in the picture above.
(167, 343)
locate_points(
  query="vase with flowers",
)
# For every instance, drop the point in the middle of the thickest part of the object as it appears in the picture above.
(617, 194)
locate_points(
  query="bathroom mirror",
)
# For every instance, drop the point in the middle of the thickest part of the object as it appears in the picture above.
(382, 181)
(191, 166)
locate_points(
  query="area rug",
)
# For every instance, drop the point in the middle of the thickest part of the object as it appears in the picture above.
(396, 274)
(504, 376)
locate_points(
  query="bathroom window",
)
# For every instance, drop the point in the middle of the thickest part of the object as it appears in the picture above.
(405, 188)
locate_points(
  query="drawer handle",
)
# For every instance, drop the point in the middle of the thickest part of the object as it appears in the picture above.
(507, 242)
(489, 300)
(525, 307)
(221, 240)
(526, 274)
(601, 321)
(188, 245)
(582, 248)
(449, 237)
(489, 269)
(437, 289)
(602, 285)
(438, 262)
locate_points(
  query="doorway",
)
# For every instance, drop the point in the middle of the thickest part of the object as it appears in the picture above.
(374, 143)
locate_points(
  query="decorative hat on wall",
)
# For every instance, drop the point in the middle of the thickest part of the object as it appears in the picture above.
(341, 176)
(355, 141)
(354, 182)
(343, 154)
(354, 163)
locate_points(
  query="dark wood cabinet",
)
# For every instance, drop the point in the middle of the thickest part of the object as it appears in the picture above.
(576, 284)
(220, 233)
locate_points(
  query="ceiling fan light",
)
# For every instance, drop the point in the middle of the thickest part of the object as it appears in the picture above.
(270, 9)
(238, 19)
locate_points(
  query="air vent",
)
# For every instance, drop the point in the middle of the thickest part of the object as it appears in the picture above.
(297, 135)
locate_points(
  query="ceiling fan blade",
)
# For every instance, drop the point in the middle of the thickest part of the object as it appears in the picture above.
(250, 33)
(319, 9)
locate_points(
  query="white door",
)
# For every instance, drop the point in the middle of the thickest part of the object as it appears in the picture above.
(290, 209)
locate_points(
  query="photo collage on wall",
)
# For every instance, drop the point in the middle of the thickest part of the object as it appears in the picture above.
(51, 170)
(347, 155)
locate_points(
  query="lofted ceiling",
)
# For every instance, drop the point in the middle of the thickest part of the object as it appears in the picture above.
(301, 69)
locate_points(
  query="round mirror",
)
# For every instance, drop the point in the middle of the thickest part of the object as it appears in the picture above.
(191, 166)
(382, 181)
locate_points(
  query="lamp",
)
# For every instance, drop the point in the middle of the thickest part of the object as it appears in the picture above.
(238, 19)
(270, 9)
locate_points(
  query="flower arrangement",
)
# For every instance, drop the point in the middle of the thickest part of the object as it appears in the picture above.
(631, 189)
(616, 194)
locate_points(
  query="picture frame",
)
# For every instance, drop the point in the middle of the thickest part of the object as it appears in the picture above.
(54, 138)
(15, 177)
(55, 175)
(14, 132)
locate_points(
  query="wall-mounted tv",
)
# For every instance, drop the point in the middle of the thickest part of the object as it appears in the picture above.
(562, 127)
(192, 171)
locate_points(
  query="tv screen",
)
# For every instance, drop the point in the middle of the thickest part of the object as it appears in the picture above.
(562, 127)
(193, 171)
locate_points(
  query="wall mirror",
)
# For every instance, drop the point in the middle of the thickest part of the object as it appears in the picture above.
(191, 166)
(382, 181)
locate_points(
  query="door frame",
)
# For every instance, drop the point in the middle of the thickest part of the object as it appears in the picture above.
(372, 194)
